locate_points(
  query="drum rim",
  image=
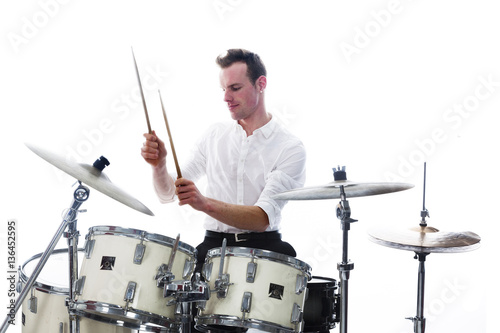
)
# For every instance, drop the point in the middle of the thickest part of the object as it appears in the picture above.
(141, 235)
(40, 286)
(329, 279)
(215, 319)
(131, 318)
(248, 252)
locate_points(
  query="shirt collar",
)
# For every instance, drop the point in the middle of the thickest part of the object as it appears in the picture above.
(265, 130)
(268, 128)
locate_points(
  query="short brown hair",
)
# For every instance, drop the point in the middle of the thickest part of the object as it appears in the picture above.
(255, 66)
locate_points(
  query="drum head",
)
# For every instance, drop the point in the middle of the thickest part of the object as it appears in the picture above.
(54, 275)
(141, 234)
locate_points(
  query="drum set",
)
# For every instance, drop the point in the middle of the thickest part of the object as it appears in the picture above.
(126, 280)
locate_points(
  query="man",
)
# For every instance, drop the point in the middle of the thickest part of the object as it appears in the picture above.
(245, 161)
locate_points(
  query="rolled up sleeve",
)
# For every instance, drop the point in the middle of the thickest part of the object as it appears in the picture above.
(290, 176)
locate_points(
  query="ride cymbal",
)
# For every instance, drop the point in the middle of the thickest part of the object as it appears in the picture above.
(92, 177)
(426, 239)
(351, 189)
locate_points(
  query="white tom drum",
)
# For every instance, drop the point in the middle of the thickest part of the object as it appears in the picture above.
(44, 308)
(117, 281)
(253, 289)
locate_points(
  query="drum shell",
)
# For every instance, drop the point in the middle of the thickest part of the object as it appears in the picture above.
(273, 271)
(105, 287)
(51, 309)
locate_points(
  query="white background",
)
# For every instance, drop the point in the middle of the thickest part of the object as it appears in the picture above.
(376, 86)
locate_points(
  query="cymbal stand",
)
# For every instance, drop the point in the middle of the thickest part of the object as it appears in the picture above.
(72, 235)
(419, 319)
(81, 194)
(344, 267)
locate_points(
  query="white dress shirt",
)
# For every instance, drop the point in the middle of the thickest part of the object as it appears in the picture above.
(247, 170)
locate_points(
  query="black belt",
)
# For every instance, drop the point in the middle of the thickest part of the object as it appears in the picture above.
(244, 236)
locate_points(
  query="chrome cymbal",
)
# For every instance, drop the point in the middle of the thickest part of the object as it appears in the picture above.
(426, 239)
(92, 177)
(351, 189)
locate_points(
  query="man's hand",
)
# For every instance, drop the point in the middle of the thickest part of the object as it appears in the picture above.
(243, 217)
(188, 194)
(153, 150)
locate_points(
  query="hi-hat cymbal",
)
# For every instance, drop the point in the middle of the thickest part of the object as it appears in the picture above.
(92, 177)
(351, 189)
(426, 240)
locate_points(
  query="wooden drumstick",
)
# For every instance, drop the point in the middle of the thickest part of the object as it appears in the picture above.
(142, 94)
(179, 175)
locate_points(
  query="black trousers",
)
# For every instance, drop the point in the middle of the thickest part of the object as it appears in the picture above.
(270, 241)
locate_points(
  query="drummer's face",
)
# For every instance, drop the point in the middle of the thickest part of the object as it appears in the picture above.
(241, 96)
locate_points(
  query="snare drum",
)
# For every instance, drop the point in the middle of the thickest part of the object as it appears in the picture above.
(117, 281)
(320, 310)
(44, 308)
(256, 289)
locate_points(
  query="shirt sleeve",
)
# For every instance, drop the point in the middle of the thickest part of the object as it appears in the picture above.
(288, 175)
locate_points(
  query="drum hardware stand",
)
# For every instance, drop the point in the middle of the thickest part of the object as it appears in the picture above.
(419, 319)
(185, 316)
(344, 267)
(183, 292)
(72, 235)
(187, 291)
(81, 194)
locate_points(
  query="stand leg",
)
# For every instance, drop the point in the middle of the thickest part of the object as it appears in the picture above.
(79, 198)
(344, 269)
(419, 320)
(73, 273)
(186, 317)
(344, 282)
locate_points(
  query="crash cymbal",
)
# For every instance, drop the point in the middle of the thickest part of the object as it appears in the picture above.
(426, 239)
(332, 190)
(92, 177)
